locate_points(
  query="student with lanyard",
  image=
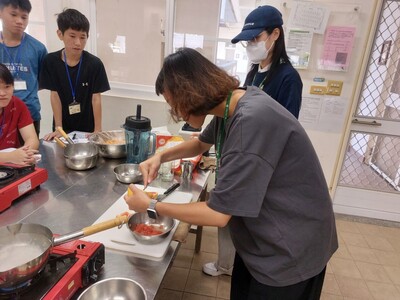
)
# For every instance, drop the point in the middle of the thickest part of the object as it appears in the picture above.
(75, 78)
(272, 72)
(270, 192)
(15, 119)
(22, 54)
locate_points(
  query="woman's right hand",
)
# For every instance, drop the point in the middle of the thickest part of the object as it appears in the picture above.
(23, 156)
(149, 169)
(50, 136)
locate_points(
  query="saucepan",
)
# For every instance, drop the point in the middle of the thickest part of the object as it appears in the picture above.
(25, 248)
(79, 156)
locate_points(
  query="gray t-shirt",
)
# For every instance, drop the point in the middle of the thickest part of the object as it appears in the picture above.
(271, 182)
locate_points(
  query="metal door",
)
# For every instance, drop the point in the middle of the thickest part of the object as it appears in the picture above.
(368, 184)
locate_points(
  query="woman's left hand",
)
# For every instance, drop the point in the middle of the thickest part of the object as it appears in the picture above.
(137, 199)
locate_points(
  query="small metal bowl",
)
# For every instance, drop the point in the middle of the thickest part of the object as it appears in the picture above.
(167, 224)
(114, 288)
(111, 143)
(128, 173)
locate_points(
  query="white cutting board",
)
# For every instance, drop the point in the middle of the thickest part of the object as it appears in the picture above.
(153, 252)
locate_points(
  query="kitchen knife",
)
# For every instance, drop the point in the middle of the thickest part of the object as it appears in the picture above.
(168, 191)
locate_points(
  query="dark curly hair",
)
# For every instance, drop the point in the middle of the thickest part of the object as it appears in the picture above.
(194, 83)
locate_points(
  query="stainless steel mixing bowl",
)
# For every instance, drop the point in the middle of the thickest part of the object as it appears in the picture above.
(113, 289)
(111, 143)
(128, 173)
(167, 224)
(81, 156)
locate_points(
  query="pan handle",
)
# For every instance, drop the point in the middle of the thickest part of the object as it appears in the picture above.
(65, 135)
(119, 220)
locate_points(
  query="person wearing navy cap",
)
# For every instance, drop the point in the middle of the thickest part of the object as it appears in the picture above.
(271, 70)
(262, 36)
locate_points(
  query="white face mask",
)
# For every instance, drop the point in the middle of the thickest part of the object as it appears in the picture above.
(256, 52)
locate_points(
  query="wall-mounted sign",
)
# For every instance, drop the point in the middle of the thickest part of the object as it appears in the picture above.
(338, 45)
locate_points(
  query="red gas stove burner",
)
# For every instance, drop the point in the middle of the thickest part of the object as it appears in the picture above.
(71, 266)
(85, 270)
(16, 181)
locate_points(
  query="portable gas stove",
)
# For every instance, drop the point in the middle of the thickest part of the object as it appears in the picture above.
(16, 181)
(71, 266)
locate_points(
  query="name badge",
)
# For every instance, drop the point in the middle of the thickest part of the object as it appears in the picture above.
(74, 108)
(20, 85)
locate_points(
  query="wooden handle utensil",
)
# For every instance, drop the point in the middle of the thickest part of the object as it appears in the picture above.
(65, 135)
(60, 142)
(117, 221)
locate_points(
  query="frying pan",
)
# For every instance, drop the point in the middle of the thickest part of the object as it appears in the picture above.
(25, 248)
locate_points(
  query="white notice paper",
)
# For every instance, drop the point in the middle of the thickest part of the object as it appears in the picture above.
(298, 47)
(309, 16)
(322, 113)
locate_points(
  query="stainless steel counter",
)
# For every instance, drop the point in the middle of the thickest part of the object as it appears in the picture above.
(71, 200)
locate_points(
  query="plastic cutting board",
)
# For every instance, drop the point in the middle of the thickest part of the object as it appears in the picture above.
(153, 252)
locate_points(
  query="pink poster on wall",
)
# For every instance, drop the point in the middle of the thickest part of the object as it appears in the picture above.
(338, 44)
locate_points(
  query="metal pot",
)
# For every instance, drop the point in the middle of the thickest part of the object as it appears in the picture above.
(81, 156)
(114, 288)
(167, 224)
(111, 143)
(25, 248)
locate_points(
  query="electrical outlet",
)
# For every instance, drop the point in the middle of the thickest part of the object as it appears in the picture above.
(318, 90)
(334, 87)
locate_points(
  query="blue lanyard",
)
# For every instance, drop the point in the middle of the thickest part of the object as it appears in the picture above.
(17, 56)
(73, 89)
(221, 133)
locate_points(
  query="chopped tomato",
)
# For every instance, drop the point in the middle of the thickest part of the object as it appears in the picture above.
(145, 229)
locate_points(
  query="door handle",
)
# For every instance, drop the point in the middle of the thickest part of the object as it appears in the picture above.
(370, 123)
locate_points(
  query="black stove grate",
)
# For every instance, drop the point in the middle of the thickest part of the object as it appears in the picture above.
(37, 288)
(10, 174)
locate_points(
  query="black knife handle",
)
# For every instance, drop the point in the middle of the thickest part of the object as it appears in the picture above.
(172, 188)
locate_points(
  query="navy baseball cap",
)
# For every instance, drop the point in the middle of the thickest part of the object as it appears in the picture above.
(259, 19)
